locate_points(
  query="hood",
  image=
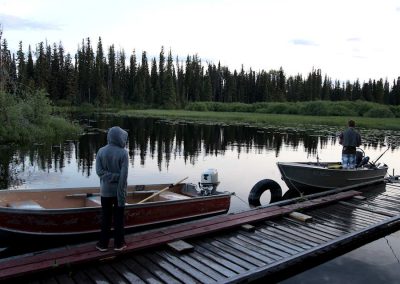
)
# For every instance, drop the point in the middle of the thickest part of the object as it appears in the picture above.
(117, 136)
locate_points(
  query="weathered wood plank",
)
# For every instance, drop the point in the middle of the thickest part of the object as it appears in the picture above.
(180, 246)
(327, 227)
(320, 228)
(273, 243)
(340, 220)
(80, 277)
(351, 216)
(249, 245)
(294, 233)
(228, 254)
(272, 249)
(140, 271)
(127, 273)
(276, 235)
(294, 224)
(111, 274)
(243, 252)
(204, 268)
(193, 272)
(216, 266)
(156, 269)
(173, 270)
(303, 228)
(332, 222)
(96, 276)
(217, 258)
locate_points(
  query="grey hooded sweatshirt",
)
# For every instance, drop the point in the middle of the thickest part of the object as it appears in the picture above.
(112, 165)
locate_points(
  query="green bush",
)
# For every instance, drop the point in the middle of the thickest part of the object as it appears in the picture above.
(395, 110)
(379, 111)
(315, 108)
(28, 118)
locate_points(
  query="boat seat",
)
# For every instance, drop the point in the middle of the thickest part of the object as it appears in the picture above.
(27, 204)
(173, 196)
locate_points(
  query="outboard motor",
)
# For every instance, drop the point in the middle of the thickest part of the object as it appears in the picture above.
(359, 157)
(363, 162)
(209, 182)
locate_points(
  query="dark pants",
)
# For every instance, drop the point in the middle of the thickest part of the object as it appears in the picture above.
(110, 211)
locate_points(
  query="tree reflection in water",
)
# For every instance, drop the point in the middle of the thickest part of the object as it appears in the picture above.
(165, 140)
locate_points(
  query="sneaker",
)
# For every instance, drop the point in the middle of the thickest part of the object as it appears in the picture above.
(120, 247)
(100, 247)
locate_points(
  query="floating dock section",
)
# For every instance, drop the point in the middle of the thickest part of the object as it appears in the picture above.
(268, 242)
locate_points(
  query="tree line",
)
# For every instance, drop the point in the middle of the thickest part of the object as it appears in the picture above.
(106, 77)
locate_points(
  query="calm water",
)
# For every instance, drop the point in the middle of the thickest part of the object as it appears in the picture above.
(165, 152)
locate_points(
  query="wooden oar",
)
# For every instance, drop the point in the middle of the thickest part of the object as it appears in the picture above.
(162, 190)
(90, 194)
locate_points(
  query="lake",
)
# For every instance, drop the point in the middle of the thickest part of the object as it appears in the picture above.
(164, 151)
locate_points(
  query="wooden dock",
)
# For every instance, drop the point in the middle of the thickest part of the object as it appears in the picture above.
(235, 248)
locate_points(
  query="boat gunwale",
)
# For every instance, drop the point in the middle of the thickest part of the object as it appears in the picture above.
(38, 211)
(314, 166)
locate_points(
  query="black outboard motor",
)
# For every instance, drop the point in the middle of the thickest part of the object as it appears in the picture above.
(359, 157)
(363, 162)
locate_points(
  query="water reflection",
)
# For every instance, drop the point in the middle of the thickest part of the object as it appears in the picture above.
(154, 140)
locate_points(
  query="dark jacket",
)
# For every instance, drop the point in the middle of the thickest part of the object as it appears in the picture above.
(112, 163)
(350, 139)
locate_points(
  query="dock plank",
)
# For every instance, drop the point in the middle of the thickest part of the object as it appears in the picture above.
(329, 232)
(192, 271)
(271, 250)
(173, 270)
(215, 266)
(276, 235)
(127, 274)
(140, 271)
(263, 252)
(281, 248)
(214, 256)
(156, 269)
(302, 228)
(248, 255)
(204, 268)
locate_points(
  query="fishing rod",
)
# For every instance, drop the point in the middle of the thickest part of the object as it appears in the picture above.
(381, 155)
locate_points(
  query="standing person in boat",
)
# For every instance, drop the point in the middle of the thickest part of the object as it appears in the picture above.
(112, 163)
(350, 139)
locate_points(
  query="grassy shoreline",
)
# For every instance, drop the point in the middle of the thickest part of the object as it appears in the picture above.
(259, 119)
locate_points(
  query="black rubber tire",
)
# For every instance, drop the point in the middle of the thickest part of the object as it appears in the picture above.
(260, 187)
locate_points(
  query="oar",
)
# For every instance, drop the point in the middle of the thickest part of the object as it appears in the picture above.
(162, 190)
(90, 194)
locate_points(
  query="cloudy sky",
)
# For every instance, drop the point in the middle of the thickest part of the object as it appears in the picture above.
(346, 39)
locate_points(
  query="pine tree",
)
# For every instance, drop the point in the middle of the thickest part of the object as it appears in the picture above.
(155, 83)
(161, 76)
(132, 77)
(169, 90)
(21, 66)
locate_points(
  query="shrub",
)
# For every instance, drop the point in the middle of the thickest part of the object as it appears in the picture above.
(379, 111)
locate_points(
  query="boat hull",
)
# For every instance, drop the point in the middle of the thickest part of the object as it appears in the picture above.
(308, 177)
(78, 223)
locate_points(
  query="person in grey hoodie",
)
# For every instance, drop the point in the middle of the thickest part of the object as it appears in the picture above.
(112, 163)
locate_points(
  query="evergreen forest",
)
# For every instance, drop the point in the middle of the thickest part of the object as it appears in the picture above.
(108, 77)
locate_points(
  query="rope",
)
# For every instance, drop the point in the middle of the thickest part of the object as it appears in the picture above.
(241, 199)
(394, 254)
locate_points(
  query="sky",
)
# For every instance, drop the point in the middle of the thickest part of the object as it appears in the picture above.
(346, 39)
